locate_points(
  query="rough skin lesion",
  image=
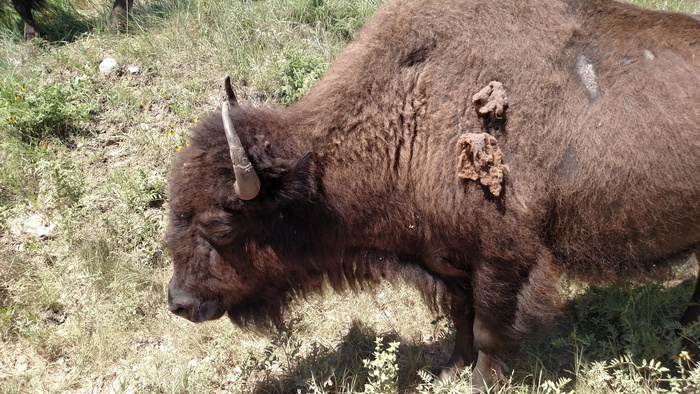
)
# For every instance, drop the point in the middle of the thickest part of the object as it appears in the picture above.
(491, 99)
(480, 159)
(589, 78)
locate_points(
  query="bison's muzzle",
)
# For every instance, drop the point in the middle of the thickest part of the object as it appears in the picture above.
(193, 308)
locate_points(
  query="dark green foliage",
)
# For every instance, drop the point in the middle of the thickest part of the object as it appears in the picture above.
(300, 72)
(639, 320)
(340, 18)
(609, 323)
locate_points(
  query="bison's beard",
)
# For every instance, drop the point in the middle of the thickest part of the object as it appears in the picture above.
(264, 312)
(354, 269)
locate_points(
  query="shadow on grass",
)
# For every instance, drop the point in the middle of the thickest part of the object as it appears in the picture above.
(605, 323)
(55, 21)
(600, 324)
(60, 22)
(343, 369)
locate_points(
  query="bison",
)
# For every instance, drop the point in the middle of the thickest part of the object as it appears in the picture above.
(480, 149)
(24, 8)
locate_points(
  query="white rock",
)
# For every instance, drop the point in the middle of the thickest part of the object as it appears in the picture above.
(38, 226)
(133, 69)
(107, 65)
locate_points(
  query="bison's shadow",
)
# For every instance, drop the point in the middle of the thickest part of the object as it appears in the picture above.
(343, 366)
(61, 22)
(598, 324)
(605, 323)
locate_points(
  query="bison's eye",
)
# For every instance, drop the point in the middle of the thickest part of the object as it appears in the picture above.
(217, 234)
(221, 237)
(216, 227)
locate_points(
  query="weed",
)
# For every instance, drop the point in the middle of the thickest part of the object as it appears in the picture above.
(299, 72)
(33, 111)
(7, 316)
(430, 385)
(383, 369)
(338, 17)
(19, 183)
(138, 190)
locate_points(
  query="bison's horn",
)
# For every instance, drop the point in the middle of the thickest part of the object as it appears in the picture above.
(229, 90)
(247, 184)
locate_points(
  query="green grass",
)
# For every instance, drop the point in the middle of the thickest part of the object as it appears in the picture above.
(692, 7)
(83, 161)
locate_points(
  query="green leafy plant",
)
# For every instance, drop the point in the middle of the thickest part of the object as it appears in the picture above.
(383, 369)
(624, 375)
(341, 18)
(34, 110)
(430, 385)
(299, 72)
(138, 189)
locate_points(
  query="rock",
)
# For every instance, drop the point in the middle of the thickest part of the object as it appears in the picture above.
(108, 65)
(38, 226)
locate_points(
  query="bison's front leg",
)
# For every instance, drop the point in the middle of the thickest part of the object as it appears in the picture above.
(513, 300)
(30, 31)
(120, 14)
(488, 370)
(24, 9)
(463, 351)
(692, 313)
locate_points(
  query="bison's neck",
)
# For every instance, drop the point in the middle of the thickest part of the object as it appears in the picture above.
(360, 177)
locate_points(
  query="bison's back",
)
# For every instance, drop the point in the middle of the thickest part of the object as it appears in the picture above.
(628, 183)
(600, 134)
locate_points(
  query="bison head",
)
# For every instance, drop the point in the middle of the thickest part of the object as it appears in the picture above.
(234, 231)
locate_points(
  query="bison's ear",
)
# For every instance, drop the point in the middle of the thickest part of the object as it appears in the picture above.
(301, 181)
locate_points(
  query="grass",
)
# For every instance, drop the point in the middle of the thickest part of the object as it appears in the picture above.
(84, 157)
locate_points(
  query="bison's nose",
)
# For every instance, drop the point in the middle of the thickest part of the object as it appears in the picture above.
(184, 304)
(180, 302)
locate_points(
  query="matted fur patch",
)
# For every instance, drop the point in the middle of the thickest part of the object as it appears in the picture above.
(491, 99)
(480, 159)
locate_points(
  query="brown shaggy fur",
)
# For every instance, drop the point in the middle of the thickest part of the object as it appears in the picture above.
(600, 133)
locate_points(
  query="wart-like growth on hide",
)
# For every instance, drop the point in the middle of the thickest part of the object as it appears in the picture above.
(490, 105)
(491, 99)
(480, 159)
